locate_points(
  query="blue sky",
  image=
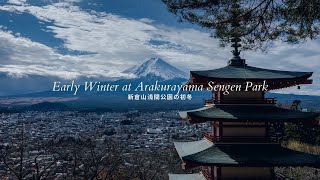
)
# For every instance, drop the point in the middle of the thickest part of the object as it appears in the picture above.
(44, 40)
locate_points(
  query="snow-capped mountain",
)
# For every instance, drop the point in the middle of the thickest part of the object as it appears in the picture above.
(156, 68)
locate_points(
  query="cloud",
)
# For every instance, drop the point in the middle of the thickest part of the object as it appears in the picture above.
(146, 20)
(17, 2)
(303, 57)
(23, 57)
(111, 43)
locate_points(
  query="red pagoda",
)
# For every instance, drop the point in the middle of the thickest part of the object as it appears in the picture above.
(240, 144)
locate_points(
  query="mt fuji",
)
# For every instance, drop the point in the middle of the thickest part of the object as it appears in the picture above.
(156, 68)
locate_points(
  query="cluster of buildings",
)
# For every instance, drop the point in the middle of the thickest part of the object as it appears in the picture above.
(135, 130)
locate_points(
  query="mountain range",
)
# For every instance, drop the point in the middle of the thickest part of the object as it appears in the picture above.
(151, 70)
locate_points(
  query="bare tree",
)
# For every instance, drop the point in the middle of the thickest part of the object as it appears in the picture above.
(148, 165)
(86, 158)
(23, 160)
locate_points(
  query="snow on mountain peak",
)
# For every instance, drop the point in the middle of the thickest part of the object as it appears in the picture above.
(156, 67)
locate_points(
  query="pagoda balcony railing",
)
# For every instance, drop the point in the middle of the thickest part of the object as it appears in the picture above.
(206, 173)
(280, 176)
(213, 138)
(241, 101)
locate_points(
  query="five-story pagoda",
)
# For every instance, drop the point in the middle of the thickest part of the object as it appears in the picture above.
(240, 144)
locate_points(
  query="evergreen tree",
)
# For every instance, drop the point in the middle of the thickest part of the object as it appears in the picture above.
(262, 21)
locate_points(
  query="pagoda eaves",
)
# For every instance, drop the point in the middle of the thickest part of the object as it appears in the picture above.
(242, 154)
(231, 74)
(246, 113)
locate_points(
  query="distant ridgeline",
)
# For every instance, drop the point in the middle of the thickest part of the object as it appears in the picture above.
(119, 102)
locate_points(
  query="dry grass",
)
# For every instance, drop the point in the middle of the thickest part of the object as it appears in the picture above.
(305, 173)
(299, 146)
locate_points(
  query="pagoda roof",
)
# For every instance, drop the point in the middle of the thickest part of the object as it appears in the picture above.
(249, 73)
(263, 113)
(276, 79)
(194, 176)
(261, 155)
(184, 114)
(188, 148)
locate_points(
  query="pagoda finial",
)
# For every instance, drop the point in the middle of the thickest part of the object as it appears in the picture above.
(236, 33)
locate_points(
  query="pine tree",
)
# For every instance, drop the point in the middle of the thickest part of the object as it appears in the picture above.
(261, 21)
